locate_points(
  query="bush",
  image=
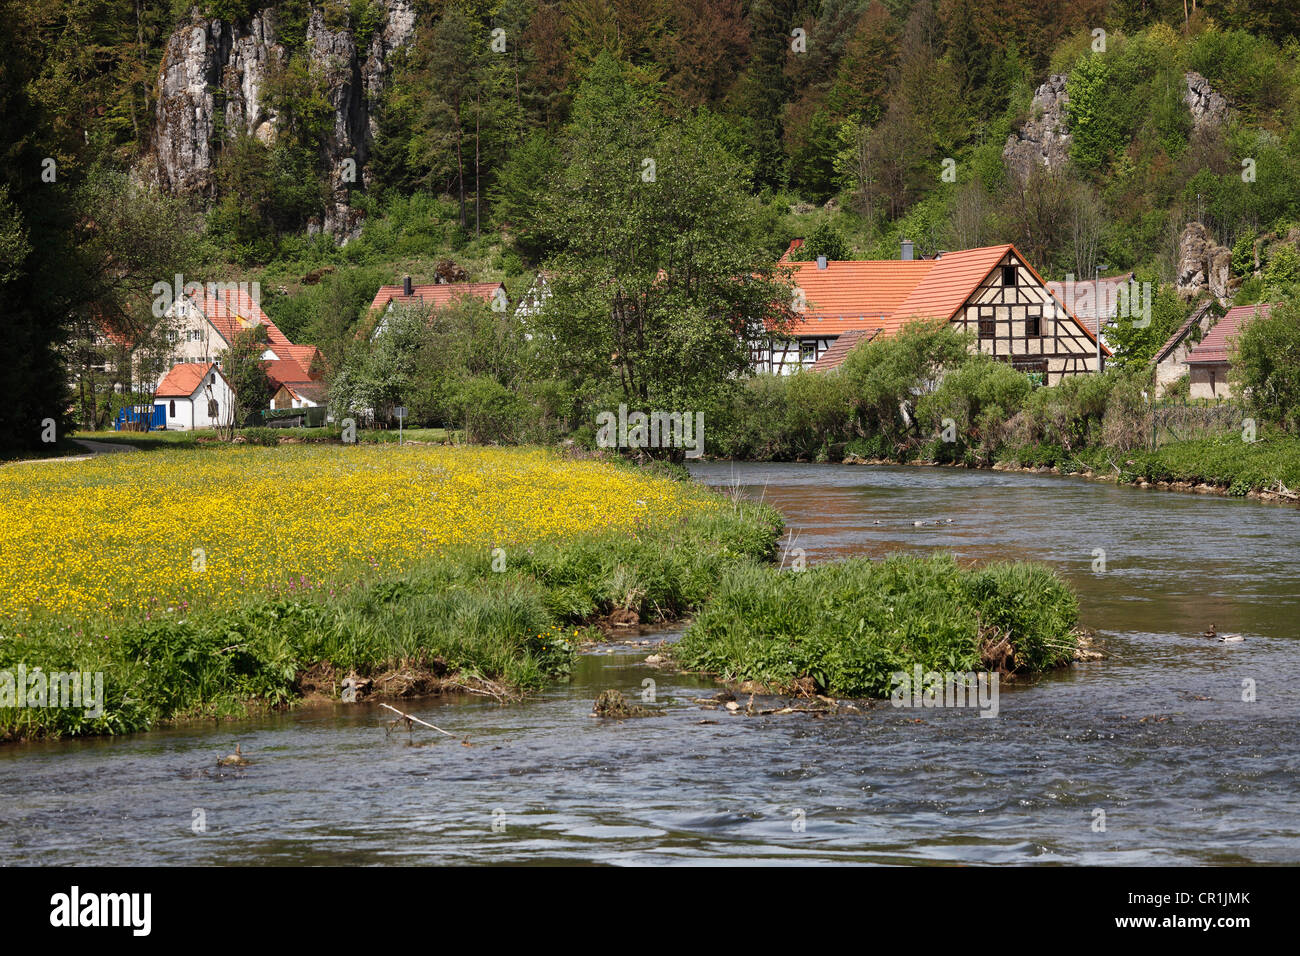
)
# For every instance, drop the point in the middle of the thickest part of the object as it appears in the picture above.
(260, 436)
(850, 625)
(1266, 365)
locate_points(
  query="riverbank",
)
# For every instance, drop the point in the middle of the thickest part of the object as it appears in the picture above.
(218, 582)
(448, 624)
(1267, 469)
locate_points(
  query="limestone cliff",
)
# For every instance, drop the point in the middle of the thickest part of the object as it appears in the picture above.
(212, 83)
(1043, 141)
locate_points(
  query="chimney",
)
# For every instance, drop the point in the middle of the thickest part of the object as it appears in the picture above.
(907, 250)
(821, 262)
(406, 287)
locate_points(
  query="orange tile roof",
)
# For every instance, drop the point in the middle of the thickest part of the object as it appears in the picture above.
(945, 289)
(285, 372)
(854, 294)
(889, 293)
(307, 356)
(1214, 348)
(437, 294)
(183, 380)
(232, 310)
(834, 356)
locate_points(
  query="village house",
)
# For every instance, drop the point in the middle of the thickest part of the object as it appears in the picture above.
(1210, 362)
(432, 296)
(195, 395)
(1171, 359)
(991, 292)
(204, 326)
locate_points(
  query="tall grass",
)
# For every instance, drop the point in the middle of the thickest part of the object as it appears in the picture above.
(848, 626)
(452, 613)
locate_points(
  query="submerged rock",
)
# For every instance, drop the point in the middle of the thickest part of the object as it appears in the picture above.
(611, 703)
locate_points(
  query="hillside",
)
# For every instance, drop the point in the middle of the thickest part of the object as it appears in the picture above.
(325, 148)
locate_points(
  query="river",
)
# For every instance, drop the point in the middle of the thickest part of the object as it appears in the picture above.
(1155, 755)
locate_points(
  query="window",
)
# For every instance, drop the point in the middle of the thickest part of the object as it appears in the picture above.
(171, 411)
(212, 408)
(807, 351)
(1034, 323)
(1009, 275)
(988, 324)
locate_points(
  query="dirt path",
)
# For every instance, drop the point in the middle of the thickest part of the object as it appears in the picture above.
(93, 447)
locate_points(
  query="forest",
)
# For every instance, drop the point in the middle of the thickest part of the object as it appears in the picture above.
(854, 123)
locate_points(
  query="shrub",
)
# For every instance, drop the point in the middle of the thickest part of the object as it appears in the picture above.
(850, 625)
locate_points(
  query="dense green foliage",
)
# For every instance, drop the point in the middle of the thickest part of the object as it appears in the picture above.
(921, 396)
(453, 614)
(754, 114)
(849, 625)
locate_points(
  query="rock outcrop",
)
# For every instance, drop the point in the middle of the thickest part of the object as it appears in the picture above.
(212, 84)
(1203, 265)
(1044, 140)
(1208, 108)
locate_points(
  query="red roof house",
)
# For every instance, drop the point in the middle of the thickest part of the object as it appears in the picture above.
(991, 292)
(1210, 361)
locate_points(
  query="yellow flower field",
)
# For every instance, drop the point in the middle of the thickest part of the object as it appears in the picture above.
(126, 533)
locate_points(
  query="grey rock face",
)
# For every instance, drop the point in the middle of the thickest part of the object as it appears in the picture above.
(1203, 264)
(1208, 108)
(212, 85)
(1044, 140)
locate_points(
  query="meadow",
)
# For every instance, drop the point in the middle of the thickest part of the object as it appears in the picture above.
(177, 530)
(220, 581)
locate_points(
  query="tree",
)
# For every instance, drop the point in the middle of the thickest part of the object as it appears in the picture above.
(663, 279)
(825, 241)
(129, 238)
(243, 368)
(1266, 364)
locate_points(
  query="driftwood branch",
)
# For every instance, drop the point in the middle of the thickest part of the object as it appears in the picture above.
(416, 720)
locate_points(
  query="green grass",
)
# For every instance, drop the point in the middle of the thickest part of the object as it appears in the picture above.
(199, 436)
(848, 626)
(452, 614)
(1225, 462)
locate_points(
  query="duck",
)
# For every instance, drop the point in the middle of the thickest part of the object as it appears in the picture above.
(236, 759)
(1231, 639)
(1211, 633)
(918, 524)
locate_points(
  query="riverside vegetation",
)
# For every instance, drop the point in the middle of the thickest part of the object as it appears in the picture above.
(458, 614)
(922, 396)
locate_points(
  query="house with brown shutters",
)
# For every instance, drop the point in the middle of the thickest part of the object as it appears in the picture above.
(991, 292)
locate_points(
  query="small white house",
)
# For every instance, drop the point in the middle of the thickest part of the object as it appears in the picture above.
(195, 396)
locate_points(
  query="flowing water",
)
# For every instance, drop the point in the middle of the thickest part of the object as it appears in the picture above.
(1151, 756)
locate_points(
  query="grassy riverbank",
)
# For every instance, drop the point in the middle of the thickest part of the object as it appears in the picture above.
(210, 581)
(842, 629)
(444, 623)
(422, 570)
(1226, 463)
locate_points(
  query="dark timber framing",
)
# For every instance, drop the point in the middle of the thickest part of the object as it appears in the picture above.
(1003, 319)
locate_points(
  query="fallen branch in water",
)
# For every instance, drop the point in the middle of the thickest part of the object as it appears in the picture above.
(409, 719)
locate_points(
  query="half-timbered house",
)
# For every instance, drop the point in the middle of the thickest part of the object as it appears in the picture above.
(991, 292)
